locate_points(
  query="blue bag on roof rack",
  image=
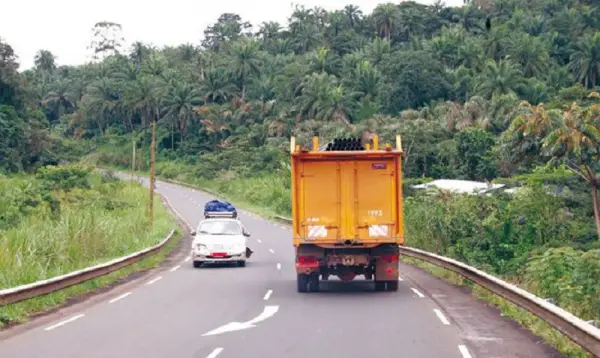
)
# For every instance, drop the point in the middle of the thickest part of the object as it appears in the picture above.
(219, 208)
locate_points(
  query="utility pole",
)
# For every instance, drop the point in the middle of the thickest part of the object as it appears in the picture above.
(152, 179)
(133, 160)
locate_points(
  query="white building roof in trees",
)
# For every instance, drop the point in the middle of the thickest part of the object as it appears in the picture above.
(460, 186)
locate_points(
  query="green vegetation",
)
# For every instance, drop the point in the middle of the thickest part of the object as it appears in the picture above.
(496, 90)
(67, 218)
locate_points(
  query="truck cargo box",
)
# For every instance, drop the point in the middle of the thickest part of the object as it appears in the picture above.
(347, 198)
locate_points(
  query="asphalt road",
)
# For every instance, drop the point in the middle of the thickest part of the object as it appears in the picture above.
(255, 312)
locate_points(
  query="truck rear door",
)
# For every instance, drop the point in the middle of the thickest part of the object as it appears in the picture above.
(348, 199)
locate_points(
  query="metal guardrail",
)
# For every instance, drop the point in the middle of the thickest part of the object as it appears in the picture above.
(39, 288)
(43, 287)
(579, 331)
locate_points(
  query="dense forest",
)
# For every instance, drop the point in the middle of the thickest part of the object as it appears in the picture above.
(503, 91)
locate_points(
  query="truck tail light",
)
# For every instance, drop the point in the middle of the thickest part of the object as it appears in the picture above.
(390, 258)
(307, 261)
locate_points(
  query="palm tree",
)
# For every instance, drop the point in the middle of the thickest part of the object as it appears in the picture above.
(102, 101)
(387, 17)
(324, 99)
(576, 141)
(179, 102)
(61, 97)
(45, 63)
(244, 61)
(353, 14)
(142, 96)
(216, 86)
(214, 123)
(571, 135)
(531, 53)
(498, 78)
(377, 49)
(324, 61)
(585, 60)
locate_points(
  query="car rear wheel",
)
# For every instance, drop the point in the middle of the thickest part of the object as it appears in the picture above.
(197, 264)
(241, 263)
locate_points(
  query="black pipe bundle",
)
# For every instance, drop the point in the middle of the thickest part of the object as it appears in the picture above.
(344, 144)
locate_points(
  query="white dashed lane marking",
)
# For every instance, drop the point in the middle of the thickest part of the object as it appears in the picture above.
(154, 280)
(62, 323)
(267, 295)
(175, 268)
(441, 316)
(120, 297)
(464, 351)
(417, 293)
(215, 353)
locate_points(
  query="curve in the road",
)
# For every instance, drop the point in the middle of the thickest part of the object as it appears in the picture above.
(255, 311)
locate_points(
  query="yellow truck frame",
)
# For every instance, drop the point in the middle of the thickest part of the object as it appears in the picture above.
(347, 213)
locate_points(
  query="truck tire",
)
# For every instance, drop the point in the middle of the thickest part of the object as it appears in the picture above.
(379, 286)
(392, 285)
(302, 282)
(313, 283)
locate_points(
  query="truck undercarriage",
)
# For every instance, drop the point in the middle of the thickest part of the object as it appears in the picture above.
(315, 263)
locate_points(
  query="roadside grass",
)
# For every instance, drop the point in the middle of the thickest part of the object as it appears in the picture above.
(102, 220)
(22, 311)
(508, 309)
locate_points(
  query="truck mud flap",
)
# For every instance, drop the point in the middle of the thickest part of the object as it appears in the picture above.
(248, 252)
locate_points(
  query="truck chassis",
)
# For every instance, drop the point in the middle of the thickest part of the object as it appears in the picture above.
(315, 263)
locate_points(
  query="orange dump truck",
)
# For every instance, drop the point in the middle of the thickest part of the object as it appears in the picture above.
(347, 212)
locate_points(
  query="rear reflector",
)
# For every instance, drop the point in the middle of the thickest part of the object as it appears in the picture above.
(219, 254)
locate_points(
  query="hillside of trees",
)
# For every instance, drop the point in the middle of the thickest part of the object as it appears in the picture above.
(503, 90)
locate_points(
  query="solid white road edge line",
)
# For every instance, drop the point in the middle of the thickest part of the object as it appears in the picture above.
(120, 297)
(154, 280)
(279, 265)
(267, 295)
(62, 323)
(418, 293)
(464, 351)
(441, 316)
(175, 268)
(271, 251)
(215, 353)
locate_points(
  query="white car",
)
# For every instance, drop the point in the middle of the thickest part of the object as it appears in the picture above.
(220, 240)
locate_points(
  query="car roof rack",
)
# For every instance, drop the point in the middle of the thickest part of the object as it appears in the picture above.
(220, 214)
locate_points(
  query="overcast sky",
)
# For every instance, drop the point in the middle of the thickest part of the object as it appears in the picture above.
(64, 26)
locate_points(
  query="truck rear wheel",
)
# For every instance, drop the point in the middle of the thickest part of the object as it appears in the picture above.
(379, 285)
(302, 282)
(313, 283)
(392, 285)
